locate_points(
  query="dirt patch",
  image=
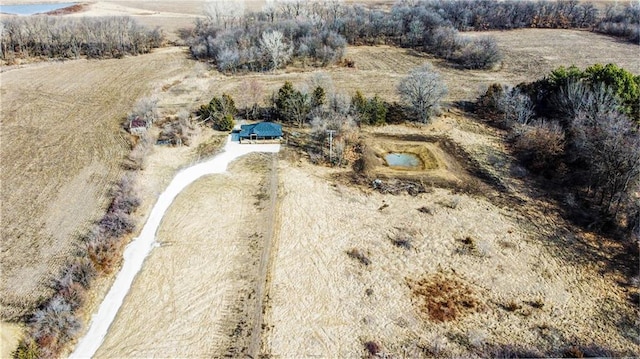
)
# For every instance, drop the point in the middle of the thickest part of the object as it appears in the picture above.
(10, 334)
(436, 163)
(443, 297)
(451, 164)
(423, 151)
(68, 10)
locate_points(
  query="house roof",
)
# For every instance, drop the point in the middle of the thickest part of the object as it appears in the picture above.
(138, 122)
(261, 129)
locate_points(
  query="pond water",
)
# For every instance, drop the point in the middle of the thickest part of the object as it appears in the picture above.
(404, 160)
(32, 9)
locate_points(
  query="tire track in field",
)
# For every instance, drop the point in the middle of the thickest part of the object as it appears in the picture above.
(266, 264)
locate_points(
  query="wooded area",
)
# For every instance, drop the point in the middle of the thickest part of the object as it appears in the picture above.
(317, 32)
(579, 130)
(59, 37)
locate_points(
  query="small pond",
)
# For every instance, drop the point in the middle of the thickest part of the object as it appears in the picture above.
(403, 160)
(32, 9)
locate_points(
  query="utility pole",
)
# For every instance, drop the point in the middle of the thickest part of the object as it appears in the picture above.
(331, 132)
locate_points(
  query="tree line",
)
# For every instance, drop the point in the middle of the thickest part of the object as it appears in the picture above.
(58, 37)
(617, 19)
(258, 42)
(621, 21)
(317, 32)
(579, 130)
(316, 105)
(58, 320)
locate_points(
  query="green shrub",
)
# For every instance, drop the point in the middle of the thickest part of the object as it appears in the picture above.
(293, 106)
(220, 111)
(319, 97)
(27, 349)
(224, 123)
(372, 111)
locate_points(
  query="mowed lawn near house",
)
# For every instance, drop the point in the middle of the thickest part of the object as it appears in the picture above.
(62, 151)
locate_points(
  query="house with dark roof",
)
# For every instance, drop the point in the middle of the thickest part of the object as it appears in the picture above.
(260, 132)
(138, 126)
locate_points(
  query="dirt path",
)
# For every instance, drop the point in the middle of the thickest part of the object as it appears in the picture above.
(266, 263)
(137, 251)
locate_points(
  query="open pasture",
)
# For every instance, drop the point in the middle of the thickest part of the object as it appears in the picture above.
(62, 150)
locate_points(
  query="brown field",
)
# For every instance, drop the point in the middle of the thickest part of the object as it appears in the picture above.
(196, 293)
(62, 149)
(325, 303)
(528, 55)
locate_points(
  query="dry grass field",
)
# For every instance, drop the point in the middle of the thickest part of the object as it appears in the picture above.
(514, 276)
(348, 262)
(528, 54)
(62, 149)
(196, 292)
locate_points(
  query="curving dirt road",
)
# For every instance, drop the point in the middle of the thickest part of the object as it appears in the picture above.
(139, 249)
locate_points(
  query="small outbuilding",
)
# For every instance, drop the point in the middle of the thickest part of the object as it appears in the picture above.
(261, 132)
(138, 126)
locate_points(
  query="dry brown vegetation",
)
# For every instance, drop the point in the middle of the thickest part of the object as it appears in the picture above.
(492, 257)
(62, 151)
(522, 265)
(204, 304)
(440, 297)
(540, 282)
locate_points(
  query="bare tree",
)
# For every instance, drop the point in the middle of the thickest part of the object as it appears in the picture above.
(416, 33)
(611, 147)
(225, 13)
(253, 94)
(146, 109)
(515, 106)
(422, 91)
(320, 79)
(477, 53)
(273, 44)
(228, 59)
(340, 103)
(541, 146)
(577, 97)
